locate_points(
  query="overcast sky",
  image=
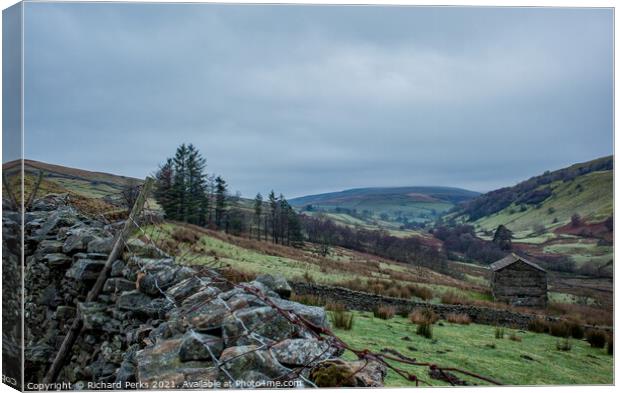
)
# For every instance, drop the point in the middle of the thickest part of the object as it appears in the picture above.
(307, 99)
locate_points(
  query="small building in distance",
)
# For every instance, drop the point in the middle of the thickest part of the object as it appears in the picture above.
(519, 282)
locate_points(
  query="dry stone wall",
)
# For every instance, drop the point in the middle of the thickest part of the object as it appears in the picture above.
(158, 324)
(367, 302)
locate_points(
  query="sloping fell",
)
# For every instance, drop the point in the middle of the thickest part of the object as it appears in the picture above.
(62, 179)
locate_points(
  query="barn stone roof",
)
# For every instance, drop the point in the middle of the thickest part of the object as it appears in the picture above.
(510, 259)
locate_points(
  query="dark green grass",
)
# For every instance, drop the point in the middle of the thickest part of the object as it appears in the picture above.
(534, 360)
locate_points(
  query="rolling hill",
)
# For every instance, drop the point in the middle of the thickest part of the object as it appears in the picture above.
(93, 192)
(564, 212)
(61, 179)
(389, 207)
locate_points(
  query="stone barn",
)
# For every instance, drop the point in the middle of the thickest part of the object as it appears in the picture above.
(519, 282)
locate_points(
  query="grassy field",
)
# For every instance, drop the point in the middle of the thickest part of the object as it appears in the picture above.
(85, 188)
(583, 251)
(347, 268)
(534, 360)
(341, 265)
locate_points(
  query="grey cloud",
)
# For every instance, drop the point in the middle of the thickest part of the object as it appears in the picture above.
(309, 99)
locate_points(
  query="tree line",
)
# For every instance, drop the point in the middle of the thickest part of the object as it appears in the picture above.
(326, 233)
(187, 193)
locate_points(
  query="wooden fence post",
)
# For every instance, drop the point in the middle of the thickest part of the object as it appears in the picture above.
(34, 191)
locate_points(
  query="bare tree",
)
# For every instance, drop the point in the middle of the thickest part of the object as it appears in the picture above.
(130, 193)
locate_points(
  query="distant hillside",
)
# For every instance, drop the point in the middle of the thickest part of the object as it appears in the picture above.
(536, 190)
(396, 207)
(60, 179)
(567, 212)
(413, 194)
(68, 172)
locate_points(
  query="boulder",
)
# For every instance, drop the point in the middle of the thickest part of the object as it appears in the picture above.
(203, 296)
(30, 216)
(160, 363)
(50, 202)
(93, 315)
(78, 239)
(100, 245)
(184, 289)
(138, 247)
(207, 317)
(302, 352)
(264, 289)
(65, 312)
(161, 332)
(197, 346)
(57, 260)
(85, 269)
(117, 268)
(240, 360)
(63, 217)
(118, 285)
(90, 255)
(277, 283)
(137, 302)
(161, 275)
(341, 373)
(244, 300)
(260, 321)
(201, 378)
(316, 315)
(49, 247)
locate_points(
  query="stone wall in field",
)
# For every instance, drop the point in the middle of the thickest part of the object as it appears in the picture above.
(367, 302)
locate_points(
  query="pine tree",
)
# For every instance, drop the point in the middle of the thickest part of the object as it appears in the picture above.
(196, 197)
(283, 210)
(164, 179)
(210, 200)
(235, 221)
(258, 210)
(296, 236)
(503, 238)
(179, 186)
(273, 210)
(292, 223)
(220, 201)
